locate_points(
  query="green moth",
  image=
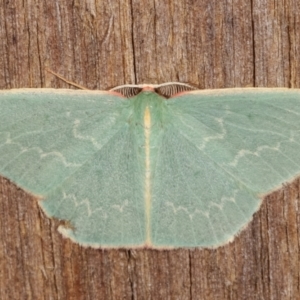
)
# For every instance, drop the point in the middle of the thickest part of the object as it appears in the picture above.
(146, 166)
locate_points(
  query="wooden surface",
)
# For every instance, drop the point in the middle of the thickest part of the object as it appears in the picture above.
(101, 44)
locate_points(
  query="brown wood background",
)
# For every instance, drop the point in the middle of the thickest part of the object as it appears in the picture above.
(101, 44)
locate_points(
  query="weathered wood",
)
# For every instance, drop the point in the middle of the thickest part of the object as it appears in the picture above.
(101, 44)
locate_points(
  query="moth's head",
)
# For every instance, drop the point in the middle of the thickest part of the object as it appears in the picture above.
(166, 90)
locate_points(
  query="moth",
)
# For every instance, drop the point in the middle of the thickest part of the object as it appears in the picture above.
(157, 166)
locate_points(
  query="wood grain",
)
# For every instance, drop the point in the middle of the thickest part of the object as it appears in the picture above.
(101, 44)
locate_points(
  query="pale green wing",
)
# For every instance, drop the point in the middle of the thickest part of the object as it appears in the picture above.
(76, 150)
(220, 153)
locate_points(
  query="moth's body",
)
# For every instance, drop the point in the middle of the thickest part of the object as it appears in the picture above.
(150, 120)
(147, 122)
(157, 169)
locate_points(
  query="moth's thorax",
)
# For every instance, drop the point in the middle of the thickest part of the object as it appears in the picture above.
(151, 101)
